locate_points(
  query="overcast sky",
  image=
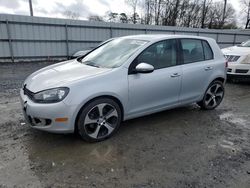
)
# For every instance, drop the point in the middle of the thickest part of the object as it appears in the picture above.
(57, 8)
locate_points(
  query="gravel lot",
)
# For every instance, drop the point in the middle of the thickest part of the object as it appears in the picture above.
(184, 147)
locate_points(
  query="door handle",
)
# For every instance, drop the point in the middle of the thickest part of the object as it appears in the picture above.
(175, 75)
(208, 68)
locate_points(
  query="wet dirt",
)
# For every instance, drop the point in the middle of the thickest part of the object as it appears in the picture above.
(184, 147)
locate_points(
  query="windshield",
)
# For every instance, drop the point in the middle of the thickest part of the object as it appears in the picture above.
(114, 53)
(245, 44)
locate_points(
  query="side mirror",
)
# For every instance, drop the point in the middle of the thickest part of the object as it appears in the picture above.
(144, 68)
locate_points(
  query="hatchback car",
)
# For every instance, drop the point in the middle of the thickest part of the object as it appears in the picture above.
(238, 61)
(125, 78)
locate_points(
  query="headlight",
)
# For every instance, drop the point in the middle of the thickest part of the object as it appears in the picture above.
(246, 60)
(51, 95)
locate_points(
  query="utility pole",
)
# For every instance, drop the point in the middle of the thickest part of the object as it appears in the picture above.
(31, 8)
(224, 13)
(247, 24)
(248, 15)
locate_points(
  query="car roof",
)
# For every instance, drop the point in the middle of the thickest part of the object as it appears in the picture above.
(156, 37)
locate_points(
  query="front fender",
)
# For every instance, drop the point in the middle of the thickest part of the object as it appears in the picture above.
(113, 84)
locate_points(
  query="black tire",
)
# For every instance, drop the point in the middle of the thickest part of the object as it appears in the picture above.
(87, 130)
(214, 96)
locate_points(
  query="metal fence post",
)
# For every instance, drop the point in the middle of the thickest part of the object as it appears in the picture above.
(67, 40)
(234, 39)
(110, 32)
(10, 41)
(217, 37)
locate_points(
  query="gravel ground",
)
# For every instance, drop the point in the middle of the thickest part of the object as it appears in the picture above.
(184, 147)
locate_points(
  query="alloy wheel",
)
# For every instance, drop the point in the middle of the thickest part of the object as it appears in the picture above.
(214, 95)
(101, 120)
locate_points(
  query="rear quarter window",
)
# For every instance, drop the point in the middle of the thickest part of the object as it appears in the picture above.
(192, 50)
(207, 51)
(195, 50)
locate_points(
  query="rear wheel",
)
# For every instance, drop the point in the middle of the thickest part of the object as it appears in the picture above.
(99, 120)
(213, 96)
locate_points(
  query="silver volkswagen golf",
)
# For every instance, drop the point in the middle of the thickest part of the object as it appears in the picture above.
(125, 78)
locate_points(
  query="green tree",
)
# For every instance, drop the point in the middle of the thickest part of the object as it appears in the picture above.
(123, 18)
(135, 18)
(112, 16)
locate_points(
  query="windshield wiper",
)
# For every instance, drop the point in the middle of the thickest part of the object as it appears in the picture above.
(90, 63)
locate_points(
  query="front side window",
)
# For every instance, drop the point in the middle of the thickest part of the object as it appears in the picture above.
(159, 55)
(114, 53)
(192, 50)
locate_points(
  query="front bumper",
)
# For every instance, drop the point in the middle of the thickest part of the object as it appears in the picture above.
(238, 70)
(43, 116)
(238, 77)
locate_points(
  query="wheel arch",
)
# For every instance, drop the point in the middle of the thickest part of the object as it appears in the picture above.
(221, 79)
(95, 98)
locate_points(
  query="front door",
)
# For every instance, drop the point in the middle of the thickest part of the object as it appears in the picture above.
(149, 92)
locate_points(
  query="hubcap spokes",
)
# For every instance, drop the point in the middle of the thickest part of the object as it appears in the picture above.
(101, 120)
(214, 95)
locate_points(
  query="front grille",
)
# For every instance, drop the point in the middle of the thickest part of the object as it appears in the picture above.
(241, 71)
(27, 92)
(232, 58)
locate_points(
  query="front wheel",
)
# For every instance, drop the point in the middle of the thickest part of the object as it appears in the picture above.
(213, 96)
(99, 120)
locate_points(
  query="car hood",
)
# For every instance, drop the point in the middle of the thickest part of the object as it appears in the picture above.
(60, 75)
(236, 50)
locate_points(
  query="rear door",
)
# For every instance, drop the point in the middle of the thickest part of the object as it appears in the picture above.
(197, 66)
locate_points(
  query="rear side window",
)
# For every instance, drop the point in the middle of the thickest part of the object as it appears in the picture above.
(192, 50)
(207, 51)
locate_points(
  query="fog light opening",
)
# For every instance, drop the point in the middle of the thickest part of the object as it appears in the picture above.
(47, 121)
